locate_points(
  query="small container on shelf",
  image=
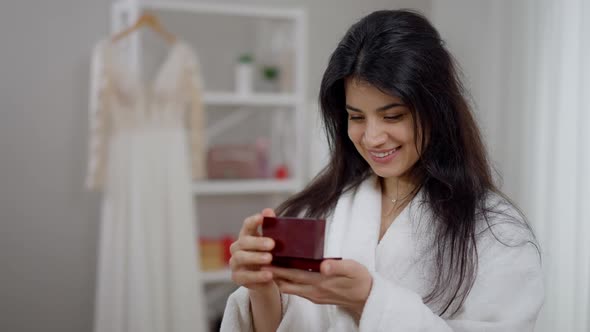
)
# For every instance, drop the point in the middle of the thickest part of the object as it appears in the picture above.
(211, 253)
(281, 172)
(232, 161)
(215, 252)
(239, 161)
(244, 74)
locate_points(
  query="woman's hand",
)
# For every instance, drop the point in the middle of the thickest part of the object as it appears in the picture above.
(250, 252)
(345, 283)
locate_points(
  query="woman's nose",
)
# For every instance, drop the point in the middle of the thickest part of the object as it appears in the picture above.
(375, 134)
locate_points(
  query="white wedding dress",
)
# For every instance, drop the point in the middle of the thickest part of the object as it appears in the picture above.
(147, 277)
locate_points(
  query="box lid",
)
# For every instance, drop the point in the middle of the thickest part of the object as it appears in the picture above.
(296, 237)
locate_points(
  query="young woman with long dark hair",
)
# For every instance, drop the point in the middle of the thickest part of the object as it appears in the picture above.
(429, 243)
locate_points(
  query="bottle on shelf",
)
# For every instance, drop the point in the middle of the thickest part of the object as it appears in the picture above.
(244, 75)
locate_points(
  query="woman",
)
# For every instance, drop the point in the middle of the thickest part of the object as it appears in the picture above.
(429, 243)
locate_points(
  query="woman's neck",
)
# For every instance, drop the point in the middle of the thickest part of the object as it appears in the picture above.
(398, 187)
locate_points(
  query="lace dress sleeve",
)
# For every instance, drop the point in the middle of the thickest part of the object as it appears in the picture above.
(98, 120)
(196, 116)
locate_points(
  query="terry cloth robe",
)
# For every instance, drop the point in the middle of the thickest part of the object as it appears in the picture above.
(507, 294)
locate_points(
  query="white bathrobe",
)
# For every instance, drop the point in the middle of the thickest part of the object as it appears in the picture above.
(507, 295)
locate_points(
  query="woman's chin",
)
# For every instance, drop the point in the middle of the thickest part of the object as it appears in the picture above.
(385, 173)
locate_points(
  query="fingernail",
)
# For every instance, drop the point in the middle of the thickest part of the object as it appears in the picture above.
(327, 268)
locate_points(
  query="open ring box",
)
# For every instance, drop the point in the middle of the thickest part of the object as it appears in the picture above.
(299, 242)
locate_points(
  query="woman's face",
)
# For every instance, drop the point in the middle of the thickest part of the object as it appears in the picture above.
(381, 128)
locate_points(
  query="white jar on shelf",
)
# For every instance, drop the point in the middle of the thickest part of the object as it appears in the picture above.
(244, 75)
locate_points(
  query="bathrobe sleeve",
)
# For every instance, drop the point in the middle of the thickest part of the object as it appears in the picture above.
(506, 296)
(298, 314)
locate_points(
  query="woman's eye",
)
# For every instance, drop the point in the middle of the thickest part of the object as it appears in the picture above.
(355, 118)
(394, 117)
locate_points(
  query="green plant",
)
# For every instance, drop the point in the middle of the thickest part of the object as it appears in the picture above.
(270, 73)
(245, 58)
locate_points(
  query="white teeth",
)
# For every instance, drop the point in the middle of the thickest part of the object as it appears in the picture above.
(383, 154)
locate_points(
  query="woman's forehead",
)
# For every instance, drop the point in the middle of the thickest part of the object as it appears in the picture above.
(363, 95)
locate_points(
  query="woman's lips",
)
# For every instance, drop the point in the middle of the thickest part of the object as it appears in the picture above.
(384, 156)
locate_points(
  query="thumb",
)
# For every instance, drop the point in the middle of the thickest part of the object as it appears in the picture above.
(333, 267)
(268, 213)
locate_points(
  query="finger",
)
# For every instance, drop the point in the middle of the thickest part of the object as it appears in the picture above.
(268, 213)
(235, 246)
(243, 258)
(245, 277)
(294, 275)
(254, 243)
(345, 267)
(250, 226)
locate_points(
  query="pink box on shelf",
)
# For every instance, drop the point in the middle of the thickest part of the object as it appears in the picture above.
(241, 161)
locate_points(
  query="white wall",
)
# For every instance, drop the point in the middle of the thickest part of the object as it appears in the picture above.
(49, 224)
(486, 38)
(472, 34)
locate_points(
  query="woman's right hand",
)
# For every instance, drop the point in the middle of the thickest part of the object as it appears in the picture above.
(250, 252)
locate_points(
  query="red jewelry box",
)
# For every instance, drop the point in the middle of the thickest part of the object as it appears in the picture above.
(299, 242)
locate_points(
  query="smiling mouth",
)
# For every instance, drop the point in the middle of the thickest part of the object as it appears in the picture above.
(384, 154)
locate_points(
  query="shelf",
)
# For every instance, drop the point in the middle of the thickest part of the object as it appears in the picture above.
(210, 277)
(256, 99)
(245, 10)
(224, 187)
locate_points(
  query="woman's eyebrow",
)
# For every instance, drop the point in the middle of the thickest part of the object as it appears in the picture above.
(353, 109)
(390, 106)
(380, 109)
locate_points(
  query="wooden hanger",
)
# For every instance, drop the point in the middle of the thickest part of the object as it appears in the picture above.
(149, 20)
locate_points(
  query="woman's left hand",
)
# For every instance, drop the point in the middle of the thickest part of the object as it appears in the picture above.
(345, 283)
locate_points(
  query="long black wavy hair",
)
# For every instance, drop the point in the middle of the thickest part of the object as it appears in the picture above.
(402, 54)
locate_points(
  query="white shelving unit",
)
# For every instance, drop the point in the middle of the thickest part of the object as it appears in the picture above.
(125, 12)
(235, 187)
(258, 99)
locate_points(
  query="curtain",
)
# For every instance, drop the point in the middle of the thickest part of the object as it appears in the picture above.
(527, 66)
(555, 159)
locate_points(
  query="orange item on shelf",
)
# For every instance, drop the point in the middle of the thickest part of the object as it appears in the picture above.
(212, 254)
